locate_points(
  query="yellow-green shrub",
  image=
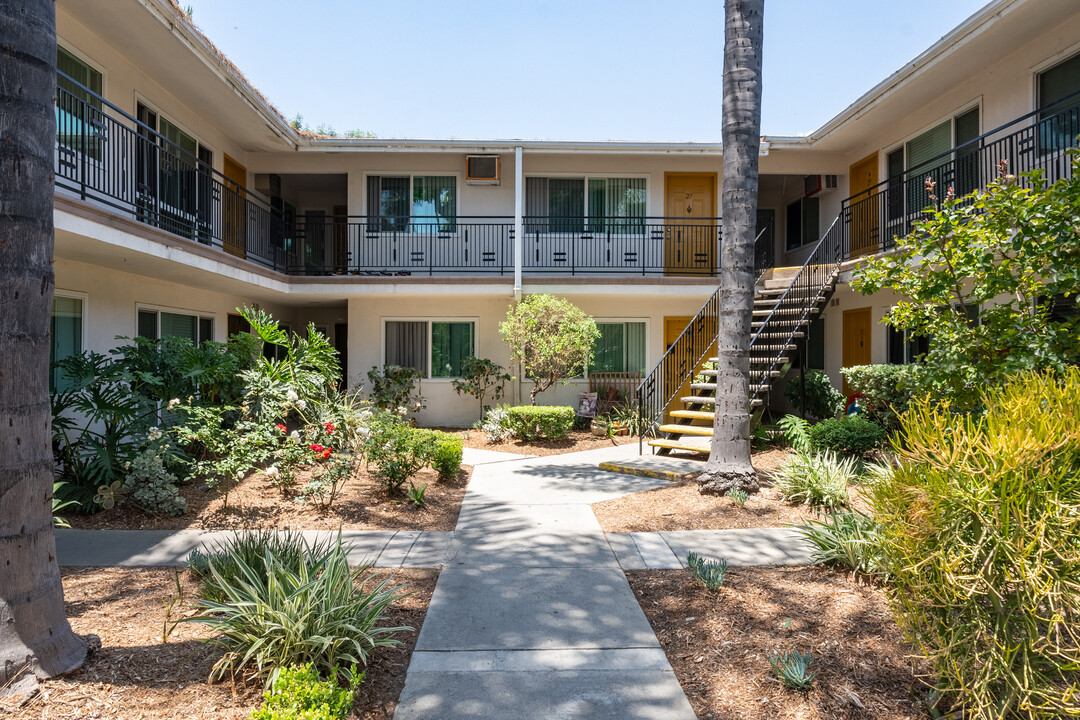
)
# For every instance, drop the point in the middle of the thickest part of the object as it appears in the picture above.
(980, 526)
(532, 422)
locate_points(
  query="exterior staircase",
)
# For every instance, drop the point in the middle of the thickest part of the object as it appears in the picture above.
(786, 301)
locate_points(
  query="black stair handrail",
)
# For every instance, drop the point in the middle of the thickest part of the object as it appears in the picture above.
(681, 358)
(805, 290)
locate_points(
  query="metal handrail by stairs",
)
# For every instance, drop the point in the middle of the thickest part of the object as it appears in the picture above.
(681, 359)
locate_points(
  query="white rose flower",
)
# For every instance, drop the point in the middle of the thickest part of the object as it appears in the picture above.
(272, 472)
(173, 403)
(402, 410)
(301, 405)
(291, 395)
(365, 415)
(153, 433)
(239, 474)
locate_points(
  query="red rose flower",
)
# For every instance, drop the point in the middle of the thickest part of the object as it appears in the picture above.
(316, 448)
(282, 428)
(326, 454)
(330, 428)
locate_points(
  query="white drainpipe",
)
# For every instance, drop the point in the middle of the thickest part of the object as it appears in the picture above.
(519, 226)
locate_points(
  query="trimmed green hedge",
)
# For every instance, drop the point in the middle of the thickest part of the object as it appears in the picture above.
(533, 422)
(849, 435)
(441, 450)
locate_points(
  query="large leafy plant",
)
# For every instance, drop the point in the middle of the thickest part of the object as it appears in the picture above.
(1011, 253)
(307, 364)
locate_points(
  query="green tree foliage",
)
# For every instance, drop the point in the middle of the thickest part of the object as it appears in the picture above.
(981, 539)
(1012, 251)
(480, 376)
(550, 337)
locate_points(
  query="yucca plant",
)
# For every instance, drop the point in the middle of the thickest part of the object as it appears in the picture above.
(980, 525)
(250, 549)
(847, 539)
(710, 572)
(818, 479)
(271, 616)
(793, 669)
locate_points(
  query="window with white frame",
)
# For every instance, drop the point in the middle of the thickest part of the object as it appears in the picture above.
(1059, 116)
(620, 347)
(436, 348)
(66, 336)
(417, 203)
(157, 324)
(78, 107)
(592, 204)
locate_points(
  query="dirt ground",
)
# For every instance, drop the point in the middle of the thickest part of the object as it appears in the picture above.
(680, 506)
(718, 644)
(136, 675)
(576, 441)
(256, 503)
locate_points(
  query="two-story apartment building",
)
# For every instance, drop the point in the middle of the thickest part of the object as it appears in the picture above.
(182, 194)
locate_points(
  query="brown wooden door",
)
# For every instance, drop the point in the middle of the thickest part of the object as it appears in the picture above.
(234, 208)
(865, 203)
(690, 237)
(856, 349)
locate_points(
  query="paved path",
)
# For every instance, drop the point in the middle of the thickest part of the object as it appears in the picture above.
(532, 616)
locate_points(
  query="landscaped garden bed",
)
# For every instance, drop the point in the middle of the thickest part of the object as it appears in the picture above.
(136, 675)
(719, 644)
(361, 504)
(574, 441)
(679, 506)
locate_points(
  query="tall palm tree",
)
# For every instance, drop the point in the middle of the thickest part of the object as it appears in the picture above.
(729, 457)
(35, 638)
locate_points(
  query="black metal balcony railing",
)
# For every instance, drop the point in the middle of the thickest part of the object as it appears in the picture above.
(108, 157)
(1036, 141)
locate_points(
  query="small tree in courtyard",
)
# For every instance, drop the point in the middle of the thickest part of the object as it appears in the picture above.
(991, 279)
(550, 337)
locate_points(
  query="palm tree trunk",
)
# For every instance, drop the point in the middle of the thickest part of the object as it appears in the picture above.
(35, 638)
(729, 458)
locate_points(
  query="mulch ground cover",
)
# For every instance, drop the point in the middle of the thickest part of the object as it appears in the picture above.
(255, 503)
(134, 675)
(718, 644)
(576, 441)
(679, 506)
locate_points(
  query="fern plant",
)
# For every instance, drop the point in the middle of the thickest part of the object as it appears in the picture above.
(793, 669)
(710, 572)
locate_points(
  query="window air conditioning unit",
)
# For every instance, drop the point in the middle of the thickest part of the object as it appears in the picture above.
(814, 184)
(482, 170)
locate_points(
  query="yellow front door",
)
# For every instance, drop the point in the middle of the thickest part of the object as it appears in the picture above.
(865, 204)
(856, 348)
(704, 333)
(690, 232)
(234, 208)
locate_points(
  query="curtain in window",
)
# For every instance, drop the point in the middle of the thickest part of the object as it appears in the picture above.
(921, 150)
(635, 347)
(81, 73)
(78, 113)
(147, 324)
(536, 204)
(451, 343)
(176, 325)
(1059, 117)
(620, 348)
(613, 199)
(566, 205)
(66, 336)
(406, 345)
(388, 200)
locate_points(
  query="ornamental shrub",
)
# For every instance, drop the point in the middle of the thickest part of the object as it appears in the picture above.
(886, 389)
(302, 694)
(441, 450)
(849, 435)
(533, 422)
(820, 480)
(980, 535)
(822, 399)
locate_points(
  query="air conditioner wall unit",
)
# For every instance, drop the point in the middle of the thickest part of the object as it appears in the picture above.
(816, 184)
(482, 170)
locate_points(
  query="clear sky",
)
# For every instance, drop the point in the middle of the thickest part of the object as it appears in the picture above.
(561, 69)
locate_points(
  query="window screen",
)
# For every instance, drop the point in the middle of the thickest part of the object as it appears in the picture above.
(451, 343)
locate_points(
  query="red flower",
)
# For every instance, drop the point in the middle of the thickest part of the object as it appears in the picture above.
(316, 448)
(330, 428)
(326, 453)
(282, 428)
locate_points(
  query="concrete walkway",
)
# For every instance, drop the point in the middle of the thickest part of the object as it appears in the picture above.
(532, 616)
